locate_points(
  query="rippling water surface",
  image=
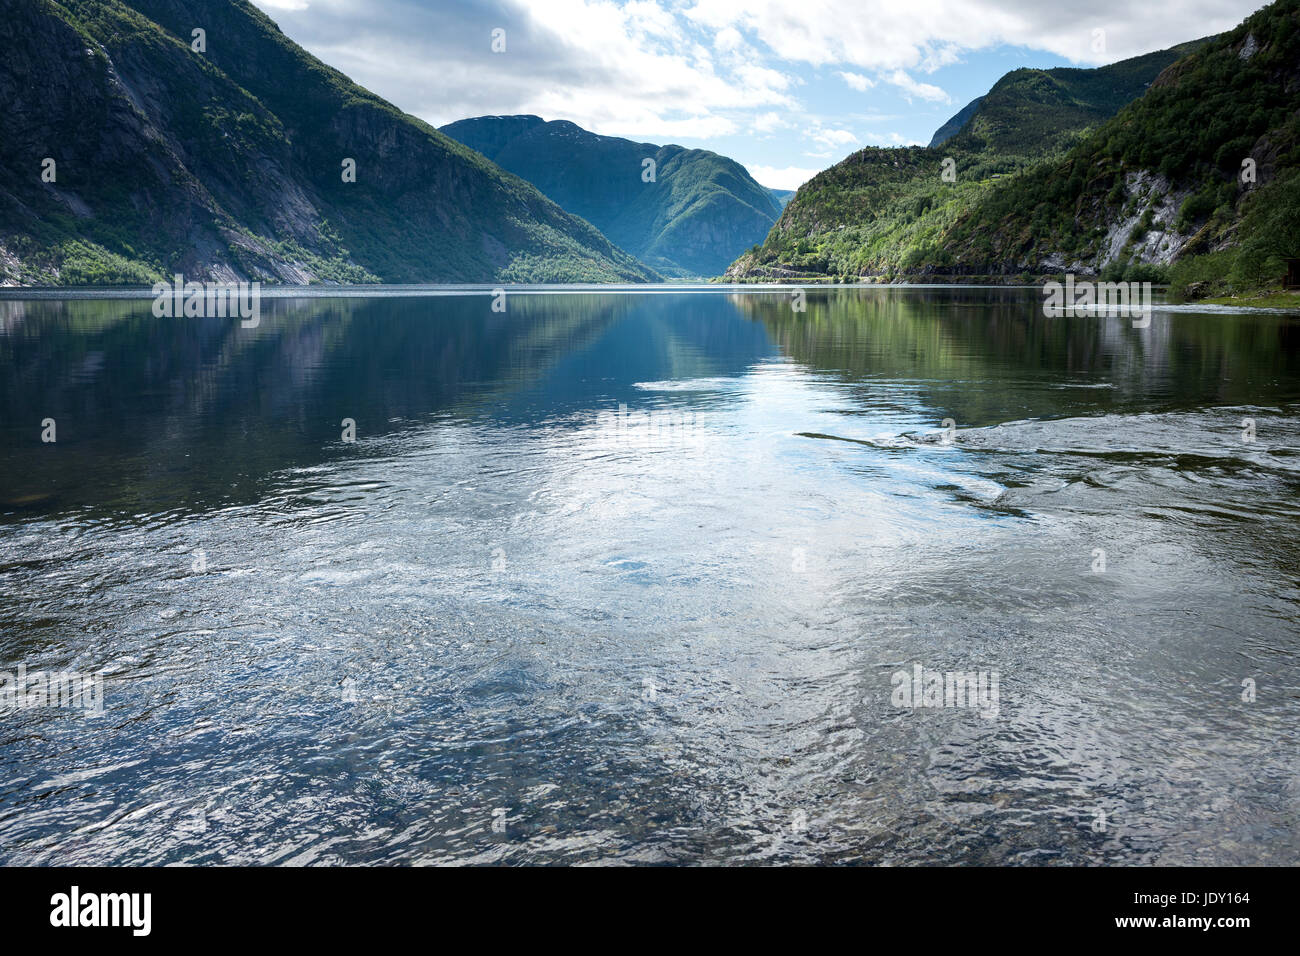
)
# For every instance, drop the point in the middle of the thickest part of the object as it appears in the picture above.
(626, 578)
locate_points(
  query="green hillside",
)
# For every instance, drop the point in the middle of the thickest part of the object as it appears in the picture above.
(227, 163)
(1162, 189)
(700, 211)
(888, 212)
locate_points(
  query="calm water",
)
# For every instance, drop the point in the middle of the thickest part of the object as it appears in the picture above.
(665, 633)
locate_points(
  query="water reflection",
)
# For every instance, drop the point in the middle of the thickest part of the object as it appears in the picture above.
(168, 414)
(641, 643)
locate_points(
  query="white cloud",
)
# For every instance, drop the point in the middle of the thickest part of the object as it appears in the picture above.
(728, 39)
(785, 177)
(699, 69)
(911, 88)
(886, 35)
(636, 62)
(664, 130)
(892, 139)
(856, 80)
(945, 55)
(831, 138)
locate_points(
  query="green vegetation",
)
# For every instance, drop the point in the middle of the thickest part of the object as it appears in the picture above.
(697, 215)
(1269, 232)
(1290, 301)
(888, 212)
(231, 165)
(1179, 147)
(1046, 183)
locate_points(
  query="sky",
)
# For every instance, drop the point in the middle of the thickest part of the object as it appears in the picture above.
(785, 87)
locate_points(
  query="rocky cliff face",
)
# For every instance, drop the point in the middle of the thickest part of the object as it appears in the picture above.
(130, 154)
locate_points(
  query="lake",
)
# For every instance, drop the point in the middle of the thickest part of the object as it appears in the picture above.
(651, 577)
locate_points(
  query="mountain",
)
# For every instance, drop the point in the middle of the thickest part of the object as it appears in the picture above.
(1027, 111)
(1197, 181)
(951, 128)
(885, 211)
(699, 212)
(227, 163)
(782, 196)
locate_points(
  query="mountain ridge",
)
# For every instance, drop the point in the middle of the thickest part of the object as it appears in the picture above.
(884, 211)
(1162, 189)
(226, 164)
(700, 210)
(954, 125)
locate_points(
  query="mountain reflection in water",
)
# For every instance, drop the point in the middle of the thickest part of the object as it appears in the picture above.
(629, 577)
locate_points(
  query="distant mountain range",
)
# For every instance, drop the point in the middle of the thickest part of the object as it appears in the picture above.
(693, 218)
(1181, 165)
(129, 155)
(135, 147)
(782, 196)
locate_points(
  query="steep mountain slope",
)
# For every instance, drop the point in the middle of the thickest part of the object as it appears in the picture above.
(228, 163)
(884, 211)
(951, 128)
(1203, 170)
(700, 211)
(1028, 112)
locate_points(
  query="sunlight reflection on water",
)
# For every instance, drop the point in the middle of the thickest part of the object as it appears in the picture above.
(624, 578)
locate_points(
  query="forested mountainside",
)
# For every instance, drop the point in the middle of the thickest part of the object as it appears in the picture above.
(893, 212)
(694, 217)
(135, 148)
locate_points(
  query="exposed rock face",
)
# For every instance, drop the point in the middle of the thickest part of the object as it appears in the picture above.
(1153, 199)
(227, 163)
